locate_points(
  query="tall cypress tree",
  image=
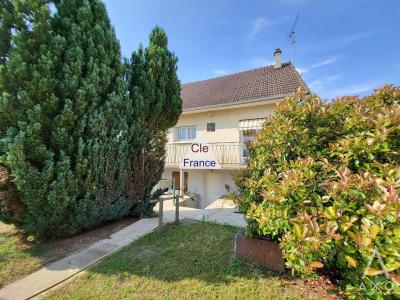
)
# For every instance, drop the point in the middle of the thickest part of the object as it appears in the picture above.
(6, 23)
(64, 135)
(161, 66)
(27, 106)
(77, 148)
(154, 90)
(92, 125)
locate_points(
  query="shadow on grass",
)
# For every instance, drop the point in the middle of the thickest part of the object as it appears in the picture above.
(201, 250)
(18, 257)
(189, 261)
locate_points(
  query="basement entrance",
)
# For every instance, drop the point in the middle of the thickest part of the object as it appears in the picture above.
(176, 177)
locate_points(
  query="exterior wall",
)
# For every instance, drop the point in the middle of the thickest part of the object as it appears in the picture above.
(208, 184)
(226, 122)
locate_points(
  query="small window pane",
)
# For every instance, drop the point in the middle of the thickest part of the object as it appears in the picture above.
(191, 133)
(181, 134)
(249, 135)
(186, 133)
(210, 127)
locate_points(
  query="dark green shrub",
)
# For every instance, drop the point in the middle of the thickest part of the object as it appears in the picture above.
(62, 107)
(154, 91)
(323, 179)
(70, 133)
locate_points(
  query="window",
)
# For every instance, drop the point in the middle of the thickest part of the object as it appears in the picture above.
(185, 133)
(210, 127)
(247, 137)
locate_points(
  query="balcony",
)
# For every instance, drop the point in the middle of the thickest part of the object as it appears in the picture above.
(229, 155)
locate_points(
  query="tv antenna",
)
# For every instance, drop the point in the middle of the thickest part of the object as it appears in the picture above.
(292, 39)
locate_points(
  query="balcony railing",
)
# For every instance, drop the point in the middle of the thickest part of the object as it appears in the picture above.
(227, 154)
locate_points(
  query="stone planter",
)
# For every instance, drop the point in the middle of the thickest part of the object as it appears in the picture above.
(262, 252)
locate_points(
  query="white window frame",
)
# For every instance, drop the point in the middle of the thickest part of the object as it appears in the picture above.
(186, 136)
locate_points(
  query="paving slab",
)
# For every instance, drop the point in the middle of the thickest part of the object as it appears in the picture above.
(221, 211)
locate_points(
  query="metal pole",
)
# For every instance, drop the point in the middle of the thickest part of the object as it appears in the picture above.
(173, 190)
(181, 183)
(160, 212)
(177, 210)
(176, 207)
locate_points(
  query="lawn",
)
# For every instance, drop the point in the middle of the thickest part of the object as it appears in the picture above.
(16, 257)
(19, 258)
(190, 261)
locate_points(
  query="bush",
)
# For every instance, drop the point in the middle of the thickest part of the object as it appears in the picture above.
(154, 90)
(71, 141)
(62, 108)
(323, 179)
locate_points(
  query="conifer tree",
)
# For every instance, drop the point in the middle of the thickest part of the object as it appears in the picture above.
(63, 130)
(6, 21)
(154, 90)
(27, 106)
(92, 125)
(79, 145)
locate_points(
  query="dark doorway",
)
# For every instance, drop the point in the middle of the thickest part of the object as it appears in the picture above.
(176, 177)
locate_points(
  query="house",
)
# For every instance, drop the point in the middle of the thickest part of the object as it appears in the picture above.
(224, 113)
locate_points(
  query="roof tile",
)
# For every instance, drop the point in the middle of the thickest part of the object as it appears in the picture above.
(248, 86)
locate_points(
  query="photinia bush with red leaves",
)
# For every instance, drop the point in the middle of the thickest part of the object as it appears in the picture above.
(323, 179)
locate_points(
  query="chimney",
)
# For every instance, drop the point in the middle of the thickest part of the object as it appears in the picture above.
(277, 55)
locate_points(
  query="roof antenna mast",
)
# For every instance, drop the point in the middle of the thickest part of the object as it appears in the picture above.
(292, 39)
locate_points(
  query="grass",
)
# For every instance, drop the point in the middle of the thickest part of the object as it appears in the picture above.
(191, 261)
(17, 258)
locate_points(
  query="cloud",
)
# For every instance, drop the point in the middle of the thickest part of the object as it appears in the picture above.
(351, 90)
(257, 25)
(346, 40)
(325, 62)
(332, 43)
(260, 62)
(320, 83)
(357, 89)
(220, 72)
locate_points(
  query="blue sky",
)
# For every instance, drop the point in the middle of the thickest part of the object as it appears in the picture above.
(343, 47)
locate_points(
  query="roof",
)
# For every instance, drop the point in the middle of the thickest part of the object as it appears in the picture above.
(261, 84)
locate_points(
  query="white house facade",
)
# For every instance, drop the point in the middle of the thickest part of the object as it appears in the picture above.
(223, 114)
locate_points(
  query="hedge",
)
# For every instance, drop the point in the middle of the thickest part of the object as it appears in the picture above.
(323, 179)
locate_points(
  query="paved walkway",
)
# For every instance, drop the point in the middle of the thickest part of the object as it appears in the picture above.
(220, 211)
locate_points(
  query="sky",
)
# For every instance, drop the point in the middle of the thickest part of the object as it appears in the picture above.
(343, 47)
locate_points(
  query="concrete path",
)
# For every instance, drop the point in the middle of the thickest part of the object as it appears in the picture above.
(220, 211)
(66, 267)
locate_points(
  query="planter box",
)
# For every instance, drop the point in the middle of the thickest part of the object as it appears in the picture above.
(262, 252)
